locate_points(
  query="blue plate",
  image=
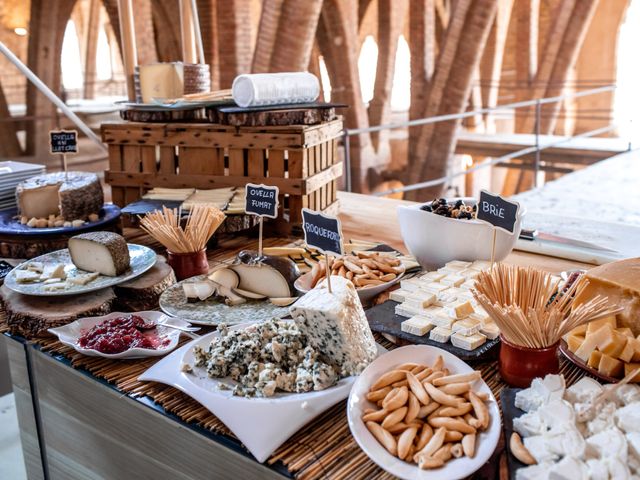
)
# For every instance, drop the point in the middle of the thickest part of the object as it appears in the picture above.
(10, 224)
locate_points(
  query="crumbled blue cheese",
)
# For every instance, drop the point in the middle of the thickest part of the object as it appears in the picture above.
(335, 324)
(265, 358)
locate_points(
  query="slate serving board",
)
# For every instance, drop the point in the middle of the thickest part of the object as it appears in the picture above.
(509, 412)
(382, 318)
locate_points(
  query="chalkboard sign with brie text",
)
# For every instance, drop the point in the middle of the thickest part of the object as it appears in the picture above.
(497, 211)
(63, 141)
(261, 200)
(322, 232)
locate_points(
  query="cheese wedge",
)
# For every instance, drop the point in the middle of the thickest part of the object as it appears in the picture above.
(591, 342)
(610, 366)
(628, 351)
(442, 321)
(631, 367)
(460, 310)
(596, 324)
(453, 280)
(466, 327)
(626, 331)
(594, 359)
(614, 344)
(574, 342)
(419, 299)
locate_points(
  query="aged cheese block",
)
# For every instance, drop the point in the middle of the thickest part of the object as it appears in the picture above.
(335, 324)
(620, 283)
(161, 81)
(103, 252)
(75, 195)
(143, 292)
(31, 316)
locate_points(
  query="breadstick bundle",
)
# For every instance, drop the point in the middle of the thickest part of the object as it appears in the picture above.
(165, 226)
(364, 269)
(528, 307)
(426, 415)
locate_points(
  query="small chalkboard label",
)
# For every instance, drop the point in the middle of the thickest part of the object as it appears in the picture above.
(62, 142)
(322, 232)
(497, 211)
(261, 200)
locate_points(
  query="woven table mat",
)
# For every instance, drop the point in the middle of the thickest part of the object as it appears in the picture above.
(324, 448)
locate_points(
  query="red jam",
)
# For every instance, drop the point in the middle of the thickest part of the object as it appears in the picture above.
(120, 334)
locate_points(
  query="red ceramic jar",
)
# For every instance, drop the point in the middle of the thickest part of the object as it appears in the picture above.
(519, 365)
(186, 265)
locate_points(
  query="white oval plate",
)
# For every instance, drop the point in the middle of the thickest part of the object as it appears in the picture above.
(69, 334)
(455, 468)
(261, 424)
(142, 259)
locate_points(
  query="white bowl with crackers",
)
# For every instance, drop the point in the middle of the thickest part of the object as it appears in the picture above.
(420, 412)
(371, 272)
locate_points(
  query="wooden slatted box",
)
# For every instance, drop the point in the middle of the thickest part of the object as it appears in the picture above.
(301, 160)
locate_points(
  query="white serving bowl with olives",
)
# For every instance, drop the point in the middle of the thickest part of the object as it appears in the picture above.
(436, 239)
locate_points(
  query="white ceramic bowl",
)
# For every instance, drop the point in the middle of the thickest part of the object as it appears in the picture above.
(435, 240)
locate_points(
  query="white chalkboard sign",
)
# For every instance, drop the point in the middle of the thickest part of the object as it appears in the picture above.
(63, 142)
(322, 232)
(261, 200)
(497, 211)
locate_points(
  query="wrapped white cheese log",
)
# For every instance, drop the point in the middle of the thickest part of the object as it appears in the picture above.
(275, 89)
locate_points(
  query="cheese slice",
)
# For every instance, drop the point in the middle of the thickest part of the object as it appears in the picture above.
(434, 287)
(408, 311)
(417, 325)
(619, 282)
(467, 342)
(26, 276)
(594, 359)
(433, 276)
(610, 366)
(440, 334)
(591, 342)
(457, 265)
(55, 270)
(410, 284)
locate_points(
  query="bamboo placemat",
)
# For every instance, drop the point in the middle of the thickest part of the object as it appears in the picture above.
(324, 448)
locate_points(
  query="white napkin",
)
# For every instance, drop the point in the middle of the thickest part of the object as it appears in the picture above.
(275, 88)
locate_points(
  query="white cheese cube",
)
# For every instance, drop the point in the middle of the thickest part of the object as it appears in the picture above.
(447, 271)
(460, 310)
(467, 342)
(530, 424)
(481, 265)
(434, 287)
(432, 276)
(469, 274)
(417, 325)
(628, 418)
(445, 299)
(584, 390)
(608, 443)
(490, 330)
(568, 469)
(452, 280)
(440, 334)
(597, 469)
(408, 311)
(420, 299)
(398, 295)
(539, 447)
(410, 284)
(466, 327)
(533, 472)
(633, 440)
(457, 265)
(468, 284)
(441, 321)
(335, 324)
(480, 315)
(618, 469)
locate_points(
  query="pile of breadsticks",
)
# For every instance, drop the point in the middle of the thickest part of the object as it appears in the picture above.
(364, 269)
(425, 415)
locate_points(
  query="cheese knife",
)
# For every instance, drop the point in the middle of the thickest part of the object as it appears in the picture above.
(532, 235)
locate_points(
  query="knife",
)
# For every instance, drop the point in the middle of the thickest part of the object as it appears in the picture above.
(535, 234)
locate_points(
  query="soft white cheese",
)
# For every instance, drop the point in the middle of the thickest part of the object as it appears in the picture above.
(628, 417)
(568, 469)
(608, 443)
(530, 424)
(597, 469)
(618, 468)
(626, 394)
(467, 342)
(440, 334)
(417, 325)
(633, 442)
(603, 419)
(398, 295)
(336, 325)
(584, 390)
(539, 446)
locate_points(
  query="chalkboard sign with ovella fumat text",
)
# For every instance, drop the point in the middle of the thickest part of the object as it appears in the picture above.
(63, 142)
(261, 200)
(322, 232)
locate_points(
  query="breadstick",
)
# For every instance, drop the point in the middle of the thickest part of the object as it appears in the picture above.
(428, 409)
(441, 397)
(433, 375)
(384, 437)
(457, 378)
(405, 441)
(376, 416)
(451, 424)
(455, 411)
(425, 435)
(469, 445)
(417, 389)
(396, 398)
(473, 421)
(456, 450)
(396, 417)
(480, 409)
(520, 451)
(452, 436)
(455, 388)
(388, 378)
(444, 453)
(376, 395)
(413, 407)
(426, 463)
(433, 444)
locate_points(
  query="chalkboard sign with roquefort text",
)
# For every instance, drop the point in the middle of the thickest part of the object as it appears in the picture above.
(322, 232)
(63, 142)
(497, 211)
(261, 200)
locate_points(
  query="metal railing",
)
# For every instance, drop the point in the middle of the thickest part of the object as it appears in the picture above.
(536, 149)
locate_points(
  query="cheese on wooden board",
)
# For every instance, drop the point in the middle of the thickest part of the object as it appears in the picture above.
(417, 325)
(336, 325)
(102, 252)
(161, 81)
(620, 283)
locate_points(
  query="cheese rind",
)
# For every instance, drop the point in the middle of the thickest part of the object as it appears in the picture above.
(336, 325)
(440, 334)
(104, 252)
(468, 342)
(417, 325)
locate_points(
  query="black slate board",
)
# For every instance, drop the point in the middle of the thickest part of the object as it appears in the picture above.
(382, 318)
(509, 412)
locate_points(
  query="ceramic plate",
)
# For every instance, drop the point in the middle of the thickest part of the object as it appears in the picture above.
(212, 312)
(453, 469)
(303, 285)
(10, 225)
(142, 259)
(261, 424)
(69, 334)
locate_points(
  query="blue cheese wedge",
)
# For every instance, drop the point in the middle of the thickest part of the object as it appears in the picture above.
(467, 342)
(335, 324)
(466, 327)
(417, 325)
(440, 334)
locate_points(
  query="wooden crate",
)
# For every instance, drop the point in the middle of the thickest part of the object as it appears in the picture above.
(302, 161)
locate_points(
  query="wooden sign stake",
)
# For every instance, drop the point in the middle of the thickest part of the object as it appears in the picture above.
(260, 236)
(261, 200)
(498, 212)
(493, 248)
(326, 261)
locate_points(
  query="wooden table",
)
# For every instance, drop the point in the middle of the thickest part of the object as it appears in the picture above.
(76, 425)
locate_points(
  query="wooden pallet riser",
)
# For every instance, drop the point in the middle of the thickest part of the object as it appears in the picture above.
(300, 160)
